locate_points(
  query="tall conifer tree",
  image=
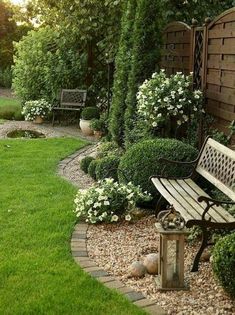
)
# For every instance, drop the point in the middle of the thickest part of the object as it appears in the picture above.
(122, 63)
(146, 39)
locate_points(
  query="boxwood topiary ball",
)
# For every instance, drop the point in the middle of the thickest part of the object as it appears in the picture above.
(107, 167)
(92, 168)
(141, 161)
(224, 262)
(85, 162)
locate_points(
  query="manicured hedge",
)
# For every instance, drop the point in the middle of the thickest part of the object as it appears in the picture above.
(85, 162)
(92, 168)
(224, 262)
(141, 161)
(107, 167)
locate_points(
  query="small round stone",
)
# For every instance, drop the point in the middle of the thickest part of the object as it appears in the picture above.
(151, 263)
(137, 269)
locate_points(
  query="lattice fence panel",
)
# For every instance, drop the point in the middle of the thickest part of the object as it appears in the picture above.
(176, 52)
(220, 70)
(198, 57)
(218, 164)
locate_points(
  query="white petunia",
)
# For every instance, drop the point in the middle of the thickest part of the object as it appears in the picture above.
(128, 217)
(114, 218)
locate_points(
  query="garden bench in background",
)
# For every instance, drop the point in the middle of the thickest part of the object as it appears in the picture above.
(216, 163)
(70, 100)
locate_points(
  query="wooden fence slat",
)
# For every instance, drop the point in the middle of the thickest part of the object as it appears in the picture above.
(220, 112)
(222, 81)
(224, 33)
(221, 49)
(221, 64)
(174, 64)
(224, 98)
(176, 52)
(178, 39)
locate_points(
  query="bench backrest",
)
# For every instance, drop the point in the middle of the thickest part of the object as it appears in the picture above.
(75, 97)
(217, 164)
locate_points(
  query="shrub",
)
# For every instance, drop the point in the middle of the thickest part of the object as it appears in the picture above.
(107, 167)
(32, 109)
(141, 161)
(122, 69)
(89, 113)
(10, 112)
(108, 202)
(92, 168)
(162, 98)
(224, 262)
(100, 124)
(46, 60)
(145, 55)
(85, 162)
(6, 77)
(109, 148)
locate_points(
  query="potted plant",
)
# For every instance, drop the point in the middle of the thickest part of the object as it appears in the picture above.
(99, 126)
(36, 110)
(87, 114)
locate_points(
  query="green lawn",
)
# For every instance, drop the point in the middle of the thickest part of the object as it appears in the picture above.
(7, 101)
(10, 108)
(37, 272)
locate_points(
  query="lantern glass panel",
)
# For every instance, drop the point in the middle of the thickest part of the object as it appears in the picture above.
(172, 266)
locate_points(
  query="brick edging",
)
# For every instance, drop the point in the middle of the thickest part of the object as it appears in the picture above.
(80, 255)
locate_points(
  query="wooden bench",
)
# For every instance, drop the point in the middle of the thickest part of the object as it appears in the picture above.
(70, 100)
(216, 163)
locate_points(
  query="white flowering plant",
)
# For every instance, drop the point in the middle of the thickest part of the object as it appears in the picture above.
(32, 109)
(109, 201)
(161, 98)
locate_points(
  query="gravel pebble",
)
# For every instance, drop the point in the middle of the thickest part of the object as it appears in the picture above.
(115, 246)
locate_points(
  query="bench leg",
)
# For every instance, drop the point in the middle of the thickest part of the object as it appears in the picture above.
(204, 244)
(53, 119)
(158, 206)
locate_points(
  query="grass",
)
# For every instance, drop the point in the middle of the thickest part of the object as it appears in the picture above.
(10, 108)
(37, 272)
(7, 101)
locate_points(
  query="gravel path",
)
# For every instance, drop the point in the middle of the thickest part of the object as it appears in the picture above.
(45, 128)
(115, 246)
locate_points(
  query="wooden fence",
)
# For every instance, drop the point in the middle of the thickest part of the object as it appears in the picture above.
(176, 53)
(209, 52)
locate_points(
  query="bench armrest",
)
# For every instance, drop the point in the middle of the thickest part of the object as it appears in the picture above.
(177, 162)
(165, 162)
(215, 201)
(210, 202)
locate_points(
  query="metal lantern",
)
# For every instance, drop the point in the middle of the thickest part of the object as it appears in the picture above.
(171, 250)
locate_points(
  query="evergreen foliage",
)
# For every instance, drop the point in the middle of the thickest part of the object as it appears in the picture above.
(186, 10)
(145, 55)
(47, 60)
(122, 63)
(141, 161)
(224, 262)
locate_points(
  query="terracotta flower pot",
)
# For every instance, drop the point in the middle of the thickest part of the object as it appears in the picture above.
(85, 127)
(38, 120)
(98, 134)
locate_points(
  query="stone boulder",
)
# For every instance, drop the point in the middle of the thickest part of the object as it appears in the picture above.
(137, 269)
(151, 263)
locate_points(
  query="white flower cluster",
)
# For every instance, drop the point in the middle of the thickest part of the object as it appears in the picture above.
(162, 97)
(108, 202)
(32, 109)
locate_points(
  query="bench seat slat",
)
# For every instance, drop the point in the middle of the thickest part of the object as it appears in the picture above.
(194, 191)
(67, 108)
(191, 203)
(227, 217)
(183, 195)
(178, 206)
